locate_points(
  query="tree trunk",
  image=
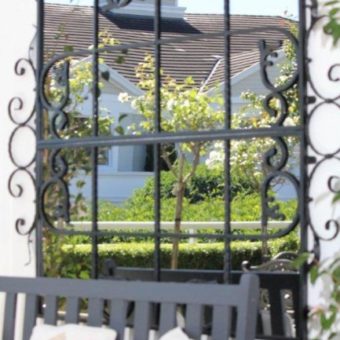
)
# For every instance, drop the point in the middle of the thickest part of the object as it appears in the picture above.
(178, 220)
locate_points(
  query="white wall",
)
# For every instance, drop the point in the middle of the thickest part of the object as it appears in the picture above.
(323, 130)
(17, 20)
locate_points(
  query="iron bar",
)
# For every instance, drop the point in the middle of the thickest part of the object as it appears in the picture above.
(227, 143)
(302, 59)
(94, 150)
(157, 147)
(163, 137)
(39, 136)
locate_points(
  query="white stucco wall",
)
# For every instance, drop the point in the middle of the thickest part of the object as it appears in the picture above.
(323, 130)
(17, 30)
(17, 257)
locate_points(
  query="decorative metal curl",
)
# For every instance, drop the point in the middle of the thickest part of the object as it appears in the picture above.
(330, 229)
(58, 167)
(16, 104)
(330, 73)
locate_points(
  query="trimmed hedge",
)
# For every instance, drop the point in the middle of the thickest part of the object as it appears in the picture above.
(77, 258)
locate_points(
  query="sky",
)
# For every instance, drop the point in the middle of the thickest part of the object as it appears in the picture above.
(259, 7)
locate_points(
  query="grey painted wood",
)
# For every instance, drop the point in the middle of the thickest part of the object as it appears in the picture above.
(50, 311)
(118, 311)
(244, 297)
(72, 310)
(194, 320)
(10, 311)
(31, 312)
(221, 324)
(247, 307)
(142, 320)
(167, 317)
(95, 312)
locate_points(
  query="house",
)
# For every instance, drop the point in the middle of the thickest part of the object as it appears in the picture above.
(123, 169)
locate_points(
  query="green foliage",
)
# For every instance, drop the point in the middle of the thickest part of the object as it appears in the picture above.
(326, 273)
(332, 27)
(76, 258)
(140, 208)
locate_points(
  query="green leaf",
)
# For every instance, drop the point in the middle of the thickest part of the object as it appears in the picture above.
(120, 59)
(326, 323)
(68, 48)
(301, 259)
(314, 274)
(120, 130)
(106, 75)
(122, 117)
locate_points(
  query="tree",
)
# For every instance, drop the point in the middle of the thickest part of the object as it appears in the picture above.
(184, 107)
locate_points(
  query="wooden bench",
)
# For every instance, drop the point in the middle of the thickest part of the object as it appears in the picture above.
(115, 296)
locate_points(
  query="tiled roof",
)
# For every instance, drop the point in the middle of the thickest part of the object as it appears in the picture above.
(202, 59)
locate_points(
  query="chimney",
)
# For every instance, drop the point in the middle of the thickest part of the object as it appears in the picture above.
(170, 8)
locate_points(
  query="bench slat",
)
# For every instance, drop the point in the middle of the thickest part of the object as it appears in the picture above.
(118, 311)
(168, 317)
(221, 322)
(194, 320)
(276, 312)
(72, 310)
(31, 312)
(50, 312)
(10, 312)
(142, 320)
(95, 311)
(247, 310)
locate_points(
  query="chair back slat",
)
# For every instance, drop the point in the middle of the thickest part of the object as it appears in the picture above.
(118, 314)
(50, 311)
(142, 320)
(72, 310)
(95, 312)
(160, 297)
(221, 324)
(31, 312)
(10, 312)
(247, 308)
(276, 312)
(167, 317)
(194, 320)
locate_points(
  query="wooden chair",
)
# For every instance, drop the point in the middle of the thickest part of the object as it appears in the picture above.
(116, 295)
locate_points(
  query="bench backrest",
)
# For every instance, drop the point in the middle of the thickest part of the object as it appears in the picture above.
(117, 295)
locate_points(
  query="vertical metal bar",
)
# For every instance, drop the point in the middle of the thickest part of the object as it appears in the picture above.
(157, 147)
(39, 135)
(303, 194)
(94, 151)
(227, 144)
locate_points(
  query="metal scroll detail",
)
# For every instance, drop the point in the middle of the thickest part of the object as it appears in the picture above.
(324, 155)
(23, 119)
(276, 158)
(54, 200)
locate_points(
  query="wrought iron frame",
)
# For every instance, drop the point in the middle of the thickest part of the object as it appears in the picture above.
(58, 165)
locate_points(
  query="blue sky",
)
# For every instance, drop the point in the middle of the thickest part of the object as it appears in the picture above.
(264, 7)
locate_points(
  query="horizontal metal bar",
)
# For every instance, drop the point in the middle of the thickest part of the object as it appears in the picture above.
(185, 225)
(164, 138)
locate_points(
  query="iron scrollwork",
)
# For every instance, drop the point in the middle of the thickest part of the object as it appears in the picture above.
(322, 157)
(276, 158)
(24, 123)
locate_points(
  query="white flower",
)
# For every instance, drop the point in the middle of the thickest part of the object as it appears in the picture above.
(123, 97)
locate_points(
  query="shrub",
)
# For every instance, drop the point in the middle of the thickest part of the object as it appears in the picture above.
(140, 208)
(205, 184)
(76, 258)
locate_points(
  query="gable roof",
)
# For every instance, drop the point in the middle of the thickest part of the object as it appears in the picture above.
(202, 59)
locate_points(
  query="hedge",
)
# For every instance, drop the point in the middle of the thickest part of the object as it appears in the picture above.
(76, 259)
